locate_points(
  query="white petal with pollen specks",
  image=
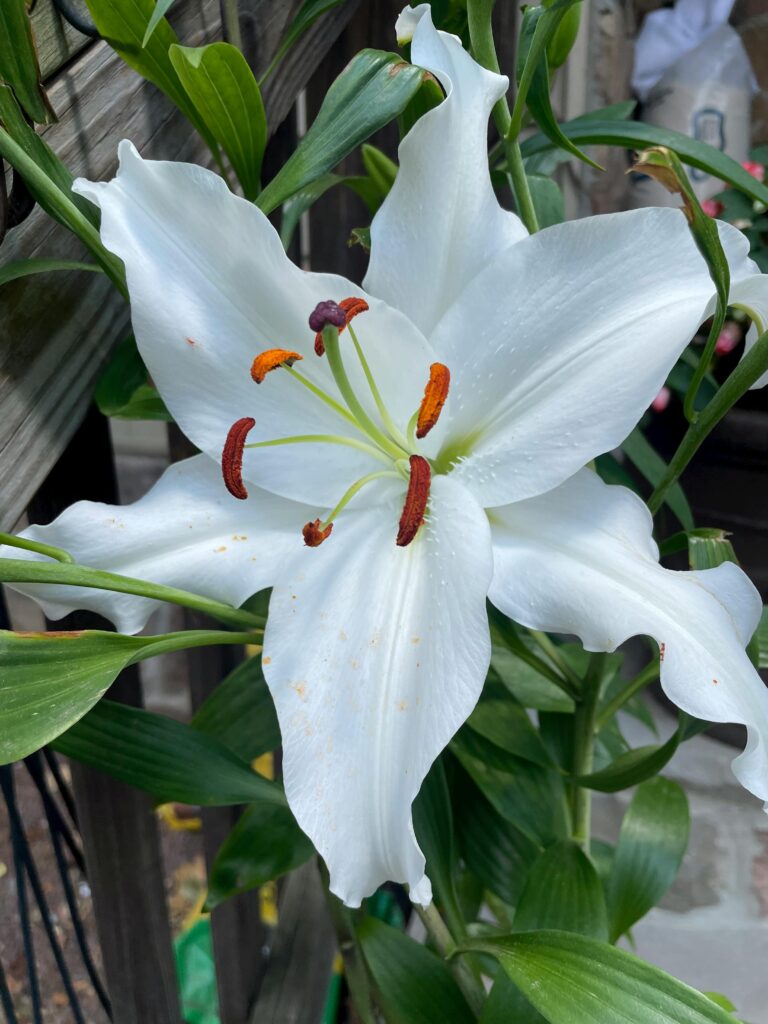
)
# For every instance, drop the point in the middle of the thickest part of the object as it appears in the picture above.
(210, 288)
(441, 222)
(186, 532)
(558, 347)
(581, 559)
(375, 655)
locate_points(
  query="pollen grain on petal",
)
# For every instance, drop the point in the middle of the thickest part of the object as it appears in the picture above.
(315, 534)
(267, 361)
(232, 456)
(416, 500)
(435, 394)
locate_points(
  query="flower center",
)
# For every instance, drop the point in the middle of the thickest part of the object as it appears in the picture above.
(382, 440)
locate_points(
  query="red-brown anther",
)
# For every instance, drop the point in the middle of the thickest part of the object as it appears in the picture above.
(435, 394)
(267, 361)
(314, 535)
(232, 457)
(350, 307)
(415, 500)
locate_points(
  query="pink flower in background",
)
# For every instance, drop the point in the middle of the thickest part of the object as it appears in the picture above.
(730, 336)
(661, 401)
(711, 207)
(755, 169)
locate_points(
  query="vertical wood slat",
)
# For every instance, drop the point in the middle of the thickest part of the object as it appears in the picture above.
(118, 825)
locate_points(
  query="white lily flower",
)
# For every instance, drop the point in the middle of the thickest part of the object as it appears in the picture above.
(545, 350)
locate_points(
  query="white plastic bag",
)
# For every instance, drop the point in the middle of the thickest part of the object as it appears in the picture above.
(694, 75)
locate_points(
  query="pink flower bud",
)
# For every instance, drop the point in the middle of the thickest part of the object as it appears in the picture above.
(711, 207)
(661, 401)
(755, 169)
(730, 336)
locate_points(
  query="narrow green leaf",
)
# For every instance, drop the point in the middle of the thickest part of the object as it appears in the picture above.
(240, 712)
(639, 134)
(651, 846)
(433, 824)
(372, 90)
(380, 169)
(572, 979)
(305, 198)
(538, 99)
(706, 550)
(161, 9)
(18, 61)
(507, 1005)
(25, 268)
(494, 850)
(123, 390)
(762, 639)
(168, 759)
(414, 986)
(562, 41)
(125, 25)
(631, 768)
(563, 890)
(49, 680)
(647, 460)
(265, 843)
(547, 200)
(503, 721)
(308, 13)
(225, 94)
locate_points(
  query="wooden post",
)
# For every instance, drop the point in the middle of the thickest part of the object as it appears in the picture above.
(118, 825)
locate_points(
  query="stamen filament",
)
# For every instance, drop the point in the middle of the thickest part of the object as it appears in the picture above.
(322, 395)
(350, 442)
(353, 490)
(333, 352)
(411, 428)
(389, 423)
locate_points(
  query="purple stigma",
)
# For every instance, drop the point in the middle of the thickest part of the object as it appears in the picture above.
(325, 313)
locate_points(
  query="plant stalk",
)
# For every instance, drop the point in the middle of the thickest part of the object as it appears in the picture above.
(584, 727)
(641, 680)
(471, 987)
(354, 965)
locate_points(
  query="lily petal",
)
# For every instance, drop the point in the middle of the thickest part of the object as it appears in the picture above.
(582, 560)
(558, 347)
(375, 655)
(210, 288)
(187, 532)
(441, 222)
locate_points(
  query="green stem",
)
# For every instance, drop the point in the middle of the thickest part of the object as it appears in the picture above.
(333, 355)
(647, 675)
(481, 36)
(512, 641)
(319, 393)
(354, 965)
(349, 442)
(62, 207)
(22, 570)
(35, 545)
(689, 403)
(554, 654)
(386, 419)
(352, 490)
(584, 727)
(231, 18)
(752, 366)
(185, 639)
(471, 987)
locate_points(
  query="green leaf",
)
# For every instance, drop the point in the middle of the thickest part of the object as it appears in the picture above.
(414, 986)
(433, 824)
(122, 390)
(562, 41)
(125, 27)
(535, 26)
(762, 639)
(710, 548)
(265, 843)
(225, 94)
(648, 461)
(49, 680)
(240, 712)
(161, 9)
(572, 979)
(529, 796)
(308, 13)
(638, 134)
(651, 846)
(372, 90)
(563, 890)
(503, 721)
(305, 198)
(168, 759)
(25, 268)
(635, 766)
(531, 689)
(380, 169)
(494, 850)
(18, 61)
(506, 1004)
(547, 200)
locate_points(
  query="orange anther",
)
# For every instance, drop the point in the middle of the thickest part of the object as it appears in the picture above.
(232, 456)
(351, 307)
(435, 394)
(267, 361)
(314, 535)
(415, 500)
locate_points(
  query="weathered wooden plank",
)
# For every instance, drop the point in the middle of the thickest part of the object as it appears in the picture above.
(55, 39)
(57, 332)
(119, 828)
